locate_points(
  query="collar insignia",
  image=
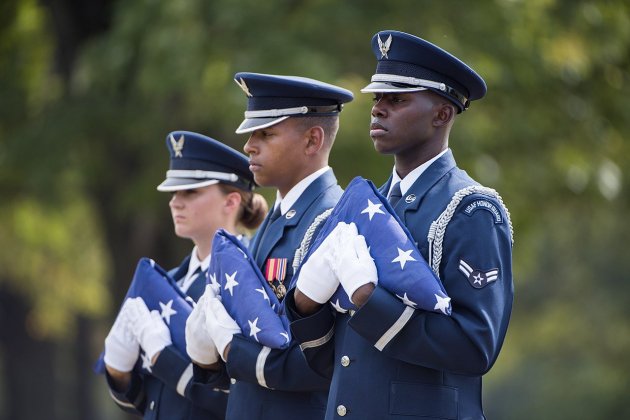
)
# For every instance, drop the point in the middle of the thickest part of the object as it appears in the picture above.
(384, 46)
(178, 145)
(290, 214)
(243, 86)
(410, 198)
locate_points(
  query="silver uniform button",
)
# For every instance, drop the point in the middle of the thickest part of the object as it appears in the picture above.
(341, 410)
(152, 405)
(345, 361)
(232, 381)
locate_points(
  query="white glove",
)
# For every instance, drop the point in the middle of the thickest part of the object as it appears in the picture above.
(121, 347)
(199, 344)
(220, 325)
(352, 262)
(148, 327)
(316, 279)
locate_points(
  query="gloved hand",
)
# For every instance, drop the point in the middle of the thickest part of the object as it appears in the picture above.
(121, 347)
(220, 325)
(351, 261)
(317, 280)
(148, 327)
(199, 344)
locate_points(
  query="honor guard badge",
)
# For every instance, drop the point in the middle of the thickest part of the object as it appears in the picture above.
(487, 206)
(384, 46)
(178, 145)
(276, 270)
(478, 278)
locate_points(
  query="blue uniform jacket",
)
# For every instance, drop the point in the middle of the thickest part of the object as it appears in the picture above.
(176, 389)
(389, 361)
(271, 383)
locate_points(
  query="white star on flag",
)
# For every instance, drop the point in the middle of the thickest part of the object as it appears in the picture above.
(285, 335)
(264, 293)
(406, 300)
(230, 283)
(372, 209)
(442, 303)
(403, 257)
(253, 328)
(338, 307)
(167, 311)
(146, 362)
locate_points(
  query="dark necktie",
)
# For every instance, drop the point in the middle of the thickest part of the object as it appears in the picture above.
(276, 213)
(395, 195)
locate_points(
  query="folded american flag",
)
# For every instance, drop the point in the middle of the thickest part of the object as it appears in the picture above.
(245, 293)
(401, 269)
(159, 292)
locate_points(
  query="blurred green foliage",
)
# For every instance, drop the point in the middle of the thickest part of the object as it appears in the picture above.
(80, 155)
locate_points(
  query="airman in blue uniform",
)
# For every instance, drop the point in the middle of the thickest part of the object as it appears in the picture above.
(292, 123)
(212, 188)
(388, 360)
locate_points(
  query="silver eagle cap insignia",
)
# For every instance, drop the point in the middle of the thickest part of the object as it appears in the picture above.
(178, 145)
(384, 46)
(241, 83)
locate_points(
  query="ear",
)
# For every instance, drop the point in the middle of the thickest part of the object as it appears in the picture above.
(314, 138)
(445, 112)
(232, 202)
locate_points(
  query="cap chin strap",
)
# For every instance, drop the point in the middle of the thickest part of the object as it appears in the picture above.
(199, 174)
(408, 80)
(300, 110)
(272, 113)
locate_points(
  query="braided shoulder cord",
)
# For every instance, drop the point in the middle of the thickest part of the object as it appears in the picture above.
(301, 252)
(438, 226)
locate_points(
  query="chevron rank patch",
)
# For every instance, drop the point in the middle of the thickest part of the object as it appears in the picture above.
(478, 278)
(487, 206)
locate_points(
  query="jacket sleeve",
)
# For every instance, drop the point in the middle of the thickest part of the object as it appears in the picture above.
(477, 246)
(315, 335)
(203, 388)
(131, 400)
(279, 369)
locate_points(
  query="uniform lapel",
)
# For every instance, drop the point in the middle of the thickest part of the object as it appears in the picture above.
(255, 243)
(179, 272)
(273, 232)
(414, 196)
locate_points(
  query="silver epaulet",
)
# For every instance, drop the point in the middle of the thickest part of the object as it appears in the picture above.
(438, 227)
(301, 252)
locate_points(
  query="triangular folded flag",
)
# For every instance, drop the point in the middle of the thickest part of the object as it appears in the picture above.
(245, 293)
(160, 292)
(401, 269)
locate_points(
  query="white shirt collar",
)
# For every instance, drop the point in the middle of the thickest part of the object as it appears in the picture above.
(292, 196)
(193, 264)
(412, 176)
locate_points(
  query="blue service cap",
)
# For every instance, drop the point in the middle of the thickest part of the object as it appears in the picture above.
(198, 161)
(407, 63)
(272, 99)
